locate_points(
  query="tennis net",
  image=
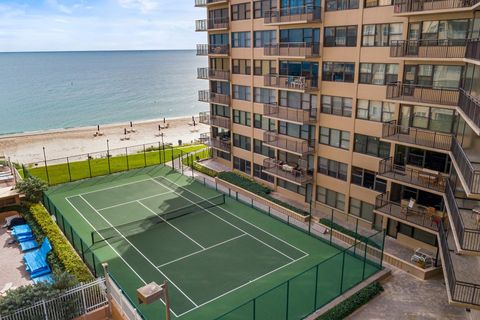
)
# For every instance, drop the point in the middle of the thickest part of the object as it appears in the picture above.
(143, 225)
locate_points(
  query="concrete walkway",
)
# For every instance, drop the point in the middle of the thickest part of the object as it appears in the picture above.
(407, 298)
(12, 269)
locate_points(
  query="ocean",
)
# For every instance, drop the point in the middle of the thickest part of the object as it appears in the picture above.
(54, 90)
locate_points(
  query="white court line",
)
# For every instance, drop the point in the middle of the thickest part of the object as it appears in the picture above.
(236, 227)
(111, 187)
(128, 202)
(171, 225)
(227, 211)
(200, 251)
(140, 252)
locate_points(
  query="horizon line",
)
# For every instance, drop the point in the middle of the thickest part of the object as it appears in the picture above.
(95, 50)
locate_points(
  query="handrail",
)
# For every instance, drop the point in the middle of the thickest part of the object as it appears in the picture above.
(469, 173)
(470, 105)
(290, 114)
(297, 174)
(406, 6)
(290, 82)
(424, 48)
(419, 93)
(293, 49)
(291, 144)
(308, 13)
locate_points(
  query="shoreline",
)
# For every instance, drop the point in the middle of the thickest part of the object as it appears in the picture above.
(60, 143)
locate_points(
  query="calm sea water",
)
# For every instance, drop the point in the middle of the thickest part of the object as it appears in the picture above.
(41, 91)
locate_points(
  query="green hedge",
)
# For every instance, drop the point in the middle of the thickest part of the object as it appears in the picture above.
(347, 307)
(254, 187)
(349, 232)
(67, 256)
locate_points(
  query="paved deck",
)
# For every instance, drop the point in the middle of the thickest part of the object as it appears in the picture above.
(407, 298)
(12, 269)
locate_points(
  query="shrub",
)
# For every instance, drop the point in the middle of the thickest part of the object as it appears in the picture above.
(33, 189)
(349, 232)
(347, 307)
(67, 256)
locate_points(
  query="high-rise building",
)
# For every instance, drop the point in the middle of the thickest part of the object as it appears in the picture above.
(369, 108)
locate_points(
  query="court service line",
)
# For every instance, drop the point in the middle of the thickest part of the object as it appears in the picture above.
(243, 285)
(111, 247)
(128, 202)
(230, 213)
(171, 225)
(111, 187)
(200, 251)
(138, 250)
(233, 225)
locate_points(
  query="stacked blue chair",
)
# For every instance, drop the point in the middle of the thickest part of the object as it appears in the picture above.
(37, 265)
(23, 234)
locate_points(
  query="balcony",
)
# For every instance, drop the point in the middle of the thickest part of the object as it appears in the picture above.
(221, 143)
(417, 93)
(463, 221)
(300, 116)
(204, 3)
(293, 49)
(427, 218)
(459, 272)
(470, 106)
(212, 74)
(469, 172)
(419, 137)
(290, 144)
(219, 23)
(207, 49)
(214, 120)
(213, 97)
(418, 6)
(297, 83)
(293, 173)
(473, 49)
(431, 49)
(293, 15)
(201, 25)
(427, 179)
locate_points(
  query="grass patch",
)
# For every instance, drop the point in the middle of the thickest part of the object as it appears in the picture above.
(193, 162)
(347, 307)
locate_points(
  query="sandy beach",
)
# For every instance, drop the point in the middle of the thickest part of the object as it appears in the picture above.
(28, 147)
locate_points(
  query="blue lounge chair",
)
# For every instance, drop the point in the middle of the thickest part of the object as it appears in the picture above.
(23, 238)
(47, 278)
(28, 245)
(21, 230)
(36, 260)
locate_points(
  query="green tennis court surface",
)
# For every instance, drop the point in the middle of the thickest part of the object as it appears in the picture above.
(216, 253)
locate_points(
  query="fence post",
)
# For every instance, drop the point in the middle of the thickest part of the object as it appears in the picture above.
(180, 163)
(44, 304)
(159, 154)
(46, 166)
(173, 158)
(383, 246)
(331, 227)
(69, 172)
(89, 165)
(126, 156)
(310, 219)
(364, 260)
(108, 156)
(288, 299)
(355, 238)
(343, 269)
(85, 308)
(144, 156)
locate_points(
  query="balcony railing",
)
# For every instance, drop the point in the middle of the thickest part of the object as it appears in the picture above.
(290, 144)
(460, 291)
(423, 218)
(421, 178)
(214, 120)
(206, 49)
(202, 73)
(469, 238)
(201, 25)
(406, 6)
(470, 105)
(290, 82)
(219, 143)
(418, 93)
(204, 3)
(473, 49)
(202, 49)
(440, 49)
(301, 14)
(285, 171)
(213, 97)
(206, 73)
(218, 23)
(293, 49)
(272, 110)
(420, 137)
(469, 173)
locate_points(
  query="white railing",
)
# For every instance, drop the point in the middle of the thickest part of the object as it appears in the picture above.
(70, 304)
(122, 303)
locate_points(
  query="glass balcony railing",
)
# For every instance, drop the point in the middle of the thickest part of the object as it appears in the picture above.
(214, 120)
(293, 49)
(212, 74)
(213, 97)
(301, 14)
(291, 172)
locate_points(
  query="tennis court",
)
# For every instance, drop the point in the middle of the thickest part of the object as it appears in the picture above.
(216, 253)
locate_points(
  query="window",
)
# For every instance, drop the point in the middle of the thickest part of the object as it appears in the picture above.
(418, 234)
(264, 95)
(264, 38)
(332, 168)
(242, 142)
(331, 198)
(219, 110)
(242, 117)
(440, 30)
(241, 39)
(259, 148)
(422, 158)
(291, 186)
(298, 100)
(362, 209)
(263, 67)
(241, 11)
(260, 122)
(340, 36)
(242, 165)
(295, 130)
(335, 138)
(338, 71)
(438, 76)
(241, 93)
(339, 106)
(241, 66)
(381, 35)
(258, 172)
(261, 7)
(377, 3)
(368, 179)
(307, 35)
(223, 155)
(371, 146)
(218, 39)
(306, 69)
(375, 110)
(378, 73)
(337, 5)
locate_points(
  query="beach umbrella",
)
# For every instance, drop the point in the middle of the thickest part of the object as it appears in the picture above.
(194, 122)
(163, 120)
(125, 131)
(98, 127)
(131, 124)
